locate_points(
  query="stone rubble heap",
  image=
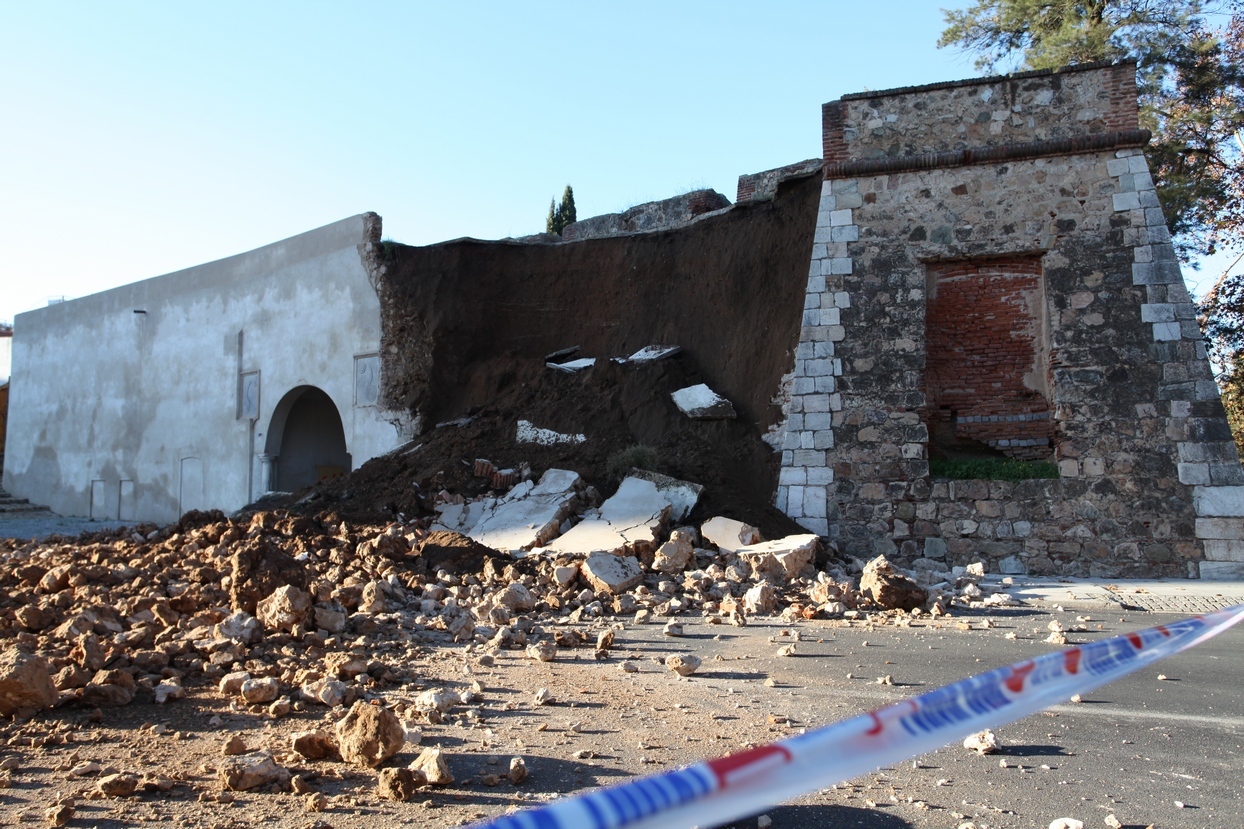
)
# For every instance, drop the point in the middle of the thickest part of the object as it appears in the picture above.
(278, 613)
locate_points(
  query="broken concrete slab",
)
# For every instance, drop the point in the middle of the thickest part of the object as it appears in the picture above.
(682, 495)
(652, 353)
(529, 515)
(729, 535)
(793, 553)
(702, 403)
(629, 522)
(574, 365)
(528, 432)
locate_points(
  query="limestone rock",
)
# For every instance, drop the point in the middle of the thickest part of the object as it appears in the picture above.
(169, 689)
(610, 573)
(331, 619)
(325, 691)
(729, 535)
(372, 599)
(25, 682)
(673, 555)
(106, 695)
(517, 598)
(257, 691)
(982, 742)
(117, 785)
(793, 553)
(314, 745)
(369, 735)
(518, 770)
(242, 774)
(231, 683)
(760, 600)
(888, 588)
(286, 607)
(683, 664)
(240, 627)
(399, 783)
(435, 768)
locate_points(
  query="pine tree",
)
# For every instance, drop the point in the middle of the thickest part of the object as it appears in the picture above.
(567, 207)
(553, 223)
(562, 214)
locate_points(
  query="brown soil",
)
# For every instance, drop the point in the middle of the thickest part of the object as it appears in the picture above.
(615, 405)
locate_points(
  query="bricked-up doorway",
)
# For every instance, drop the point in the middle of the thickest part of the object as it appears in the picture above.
(987, 359)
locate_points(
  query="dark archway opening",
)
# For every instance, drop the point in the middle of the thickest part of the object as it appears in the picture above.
(308, 440)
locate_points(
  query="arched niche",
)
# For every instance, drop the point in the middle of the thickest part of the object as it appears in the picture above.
(306, 440)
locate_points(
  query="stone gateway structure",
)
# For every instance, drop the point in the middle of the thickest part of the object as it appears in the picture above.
(991, 267)
(973, 269)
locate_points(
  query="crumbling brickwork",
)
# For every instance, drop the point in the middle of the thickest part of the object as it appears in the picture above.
(985, 363)
(926, 183)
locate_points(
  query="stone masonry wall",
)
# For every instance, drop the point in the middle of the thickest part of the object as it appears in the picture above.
(1149, 483)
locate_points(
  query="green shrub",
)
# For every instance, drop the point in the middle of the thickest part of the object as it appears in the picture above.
(632, 457)
(992, 469)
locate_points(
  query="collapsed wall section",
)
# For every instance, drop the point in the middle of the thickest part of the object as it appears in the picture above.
(727, 288)
(1042, 168)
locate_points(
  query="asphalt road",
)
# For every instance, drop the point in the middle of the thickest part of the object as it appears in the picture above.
(1136, 749)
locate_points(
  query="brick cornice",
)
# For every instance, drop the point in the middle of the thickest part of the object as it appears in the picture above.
(987, 155)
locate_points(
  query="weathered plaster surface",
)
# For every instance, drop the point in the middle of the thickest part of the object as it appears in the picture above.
(115, 395)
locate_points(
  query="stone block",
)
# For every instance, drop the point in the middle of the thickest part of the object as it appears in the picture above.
(838, 218)
(1166, 331)
(820, 526)
(850, 200)
(829, 316)
(1116, 167)
(1137, 164)
(1218, 501)
(845, 233)
(1157, 313)
(1224, 549)
(816, 283)
(1068, 468)
(820, 475)
(1194, 474)
(1126, 201)
(1220, 528)
(1226, 474)
(1222, 570)
(826, 384)
(840, 266)
(793, 476)
(808, 457)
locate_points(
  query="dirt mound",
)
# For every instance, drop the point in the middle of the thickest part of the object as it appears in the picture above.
(614, 405)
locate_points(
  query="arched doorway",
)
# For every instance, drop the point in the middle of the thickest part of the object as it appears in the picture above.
(306, 440)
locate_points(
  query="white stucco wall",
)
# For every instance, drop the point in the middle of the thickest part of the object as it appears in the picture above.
(114, 396)
(6, 352)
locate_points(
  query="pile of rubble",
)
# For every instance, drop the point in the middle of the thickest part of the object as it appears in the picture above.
(280, 613)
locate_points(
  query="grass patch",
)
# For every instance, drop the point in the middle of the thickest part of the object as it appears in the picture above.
(992, 469)
(632, 457)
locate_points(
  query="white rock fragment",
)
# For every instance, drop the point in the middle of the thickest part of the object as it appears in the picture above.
(528, 432)
(1067, 823)
(683, 664)
(574, 365)
(793, 553)
(699, 402)
(982, 742)
(612, 574)
(729, 535)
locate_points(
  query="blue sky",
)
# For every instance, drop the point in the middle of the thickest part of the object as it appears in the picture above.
(140, 138)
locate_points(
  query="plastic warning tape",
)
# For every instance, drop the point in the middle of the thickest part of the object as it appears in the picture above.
(713, 792)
